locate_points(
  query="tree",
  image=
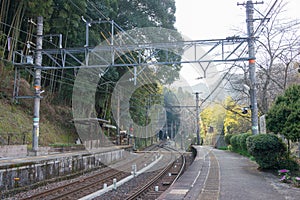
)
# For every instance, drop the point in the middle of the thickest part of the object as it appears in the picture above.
(172, 113)
(132, 15)
(277, 53)
(142, 13)
(13, 13)
(284, 116)
(15, 31)
(212, 120)
(277, 58)
(65, 17)
(235, 121)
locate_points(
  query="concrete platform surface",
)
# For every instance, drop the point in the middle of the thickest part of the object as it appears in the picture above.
(224, 175)
(7, 161)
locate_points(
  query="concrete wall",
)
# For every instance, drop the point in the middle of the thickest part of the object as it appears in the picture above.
(13, 151)
(43, 170)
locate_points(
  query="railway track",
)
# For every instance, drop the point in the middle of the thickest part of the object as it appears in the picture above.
(81, 187)
(161, 176)
(161, 181)
(93, 183)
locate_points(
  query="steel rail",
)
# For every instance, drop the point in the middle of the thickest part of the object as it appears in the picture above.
(145, 187)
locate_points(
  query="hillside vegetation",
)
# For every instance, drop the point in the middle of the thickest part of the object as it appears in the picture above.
(67, 18)
(16, 118)
(16, 122)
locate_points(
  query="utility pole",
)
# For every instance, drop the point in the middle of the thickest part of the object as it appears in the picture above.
(63, 58)
(198, 119)
(172, 131)
(252, 67)
(37, 85)
(87, 25)
(118, 142)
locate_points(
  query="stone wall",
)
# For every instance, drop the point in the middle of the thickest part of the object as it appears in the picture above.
(30, 173)
(13, 151)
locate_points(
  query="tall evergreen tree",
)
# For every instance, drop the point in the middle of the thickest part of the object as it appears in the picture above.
(284, 116)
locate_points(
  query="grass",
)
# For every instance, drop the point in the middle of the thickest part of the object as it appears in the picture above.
(241, 152)
(63, 145)
(16, 123)
(223, 148)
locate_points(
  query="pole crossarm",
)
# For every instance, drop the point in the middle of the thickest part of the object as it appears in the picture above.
(214, 50)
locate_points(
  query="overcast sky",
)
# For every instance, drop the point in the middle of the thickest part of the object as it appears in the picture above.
(216, 19)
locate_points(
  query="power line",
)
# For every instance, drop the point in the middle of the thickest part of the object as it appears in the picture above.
(133, 57)
(113, 23)
(122, 31)
(243, 51)
(101, 13)
(80, 9)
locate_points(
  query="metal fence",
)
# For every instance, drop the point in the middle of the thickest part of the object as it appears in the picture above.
(13, 138)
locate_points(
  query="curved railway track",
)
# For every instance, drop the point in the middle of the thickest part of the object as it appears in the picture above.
(161, 181)
(150, 184)
(92, 183)
(81, 187)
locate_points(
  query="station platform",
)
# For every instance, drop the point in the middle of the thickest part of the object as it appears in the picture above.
(29, 170)
(223, 175)
(5, 162)
(191, 182)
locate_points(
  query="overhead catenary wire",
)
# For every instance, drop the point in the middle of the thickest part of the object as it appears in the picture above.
(106, 18)
(80, 9)
(101, 13)
(119, 56)
(94, 6)
(243, 51)
(120, 29)
(27, 33)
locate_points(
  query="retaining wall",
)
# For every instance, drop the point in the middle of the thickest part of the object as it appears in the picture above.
(13, 150)
(30, 173)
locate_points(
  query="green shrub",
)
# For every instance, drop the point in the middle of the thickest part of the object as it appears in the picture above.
(288, 163)
(243, 139)
(239, 136)
(227, 138)
(223, 148)
(267, 149)
(234, 142)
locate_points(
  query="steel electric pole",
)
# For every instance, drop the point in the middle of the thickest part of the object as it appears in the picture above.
(198, 119)
(37, 85)
(252, 67)
(63, 57)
